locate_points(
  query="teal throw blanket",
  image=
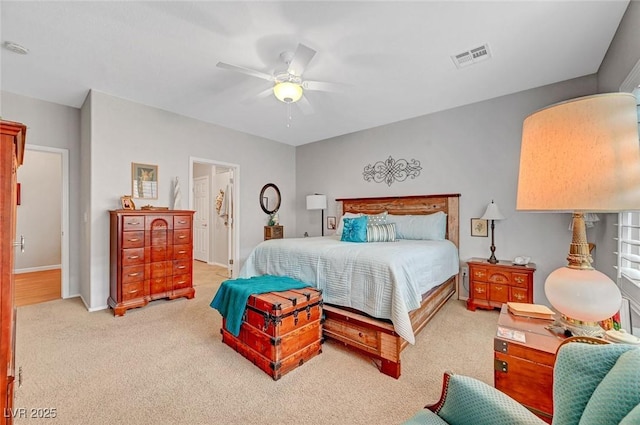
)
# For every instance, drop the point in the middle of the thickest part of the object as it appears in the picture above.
(231, 298)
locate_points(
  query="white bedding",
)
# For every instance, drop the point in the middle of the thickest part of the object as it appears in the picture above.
(383, 279)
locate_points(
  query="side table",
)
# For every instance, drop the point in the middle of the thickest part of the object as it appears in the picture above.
(492, 285)
(524, 355)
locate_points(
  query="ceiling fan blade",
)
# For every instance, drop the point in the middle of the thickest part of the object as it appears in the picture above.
(322, 86)
(305, 106)
(247, 71)
(253, 98)
(300, 60)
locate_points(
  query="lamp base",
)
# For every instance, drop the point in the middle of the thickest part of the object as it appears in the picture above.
(579, 328)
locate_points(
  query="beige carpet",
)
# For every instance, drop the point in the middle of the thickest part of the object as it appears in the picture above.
(166, 364)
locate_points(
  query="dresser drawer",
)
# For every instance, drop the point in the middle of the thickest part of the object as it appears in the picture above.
(182, 252)
(182, 222)
(132, 274)
(499, 292)
(479, 274)
(160, 269)
(181, 236)
(181, 281)
(133, 239)
(500, 276)
(160, 237)
(132, 256)
(520, 279)
(519, 295)
(132, 290)
(158, 253)
(480, 290)
(132, 222)
(158, 285)
(181, 267)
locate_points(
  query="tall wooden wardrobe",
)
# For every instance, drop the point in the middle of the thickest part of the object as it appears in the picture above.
(11, 155)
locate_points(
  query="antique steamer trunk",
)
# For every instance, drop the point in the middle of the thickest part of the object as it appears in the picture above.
(280, 330)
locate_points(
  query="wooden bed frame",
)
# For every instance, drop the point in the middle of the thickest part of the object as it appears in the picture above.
(376, 338)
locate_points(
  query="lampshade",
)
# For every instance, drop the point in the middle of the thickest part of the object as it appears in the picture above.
(316, 202)
(492, 212)
(287, 92)
(581, 155)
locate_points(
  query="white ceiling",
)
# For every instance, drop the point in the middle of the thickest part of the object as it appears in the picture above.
(393, 57)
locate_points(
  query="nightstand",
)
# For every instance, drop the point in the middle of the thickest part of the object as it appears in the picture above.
(273, 232)
(523, 367)
(491, 285)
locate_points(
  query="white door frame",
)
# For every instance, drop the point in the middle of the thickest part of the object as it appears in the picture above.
(235, 228)
(64, 251)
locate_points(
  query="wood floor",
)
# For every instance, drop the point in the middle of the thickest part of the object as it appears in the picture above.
(38, 287)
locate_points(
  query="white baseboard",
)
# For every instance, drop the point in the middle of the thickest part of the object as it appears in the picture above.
(38, 269)
(92, 309)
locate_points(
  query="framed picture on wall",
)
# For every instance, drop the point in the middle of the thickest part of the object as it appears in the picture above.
(144, 181)
(479, 227)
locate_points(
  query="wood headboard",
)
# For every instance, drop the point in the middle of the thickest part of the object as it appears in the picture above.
(415, 204)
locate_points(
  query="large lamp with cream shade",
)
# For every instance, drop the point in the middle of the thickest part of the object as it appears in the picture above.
(579, 156)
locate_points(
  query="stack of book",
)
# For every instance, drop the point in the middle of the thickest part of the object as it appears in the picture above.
(536, 311)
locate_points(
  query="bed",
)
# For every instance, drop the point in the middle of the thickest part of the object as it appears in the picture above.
(377, 296)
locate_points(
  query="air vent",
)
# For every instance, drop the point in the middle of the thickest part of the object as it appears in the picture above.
(472, 56)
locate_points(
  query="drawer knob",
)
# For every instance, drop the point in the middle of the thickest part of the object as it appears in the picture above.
(134, 240)
(133, 274)
(519, 279)
(479, 290)
(518, 296)
(133, 223)
(182, 267)
(182, 252)
(134, 257)
(182, 222)
(181, 236)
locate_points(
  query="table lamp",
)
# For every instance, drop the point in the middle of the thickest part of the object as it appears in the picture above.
(492, 213)
(579, 156)
(318, 202)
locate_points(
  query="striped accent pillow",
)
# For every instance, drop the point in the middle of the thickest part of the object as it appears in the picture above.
(381, 232)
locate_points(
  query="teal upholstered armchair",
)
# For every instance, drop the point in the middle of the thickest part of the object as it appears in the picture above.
(593, 385)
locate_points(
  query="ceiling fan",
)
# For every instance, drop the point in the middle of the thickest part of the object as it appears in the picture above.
(288, 84)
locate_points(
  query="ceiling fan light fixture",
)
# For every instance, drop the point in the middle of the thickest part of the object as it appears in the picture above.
(287, 92)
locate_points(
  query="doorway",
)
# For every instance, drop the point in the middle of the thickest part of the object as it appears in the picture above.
(42, 270)
(213, 197)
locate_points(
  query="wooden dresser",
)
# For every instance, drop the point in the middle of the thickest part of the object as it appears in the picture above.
(524, 369)
(11, 156)
(151, 257)
(491, 285)
(273, 232)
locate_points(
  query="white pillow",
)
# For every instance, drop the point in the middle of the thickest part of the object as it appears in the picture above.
(341, 222)
(423, 227)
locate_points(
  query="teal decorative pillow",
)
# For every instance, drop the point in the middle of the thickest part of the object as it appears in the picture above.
(617, 394)
(374, 219)
(381, 232)
(355, 229)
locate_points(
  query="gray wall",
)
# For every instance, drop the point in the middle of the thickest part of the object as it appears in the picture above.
(123, 132)
(56, 126)
(473, 150)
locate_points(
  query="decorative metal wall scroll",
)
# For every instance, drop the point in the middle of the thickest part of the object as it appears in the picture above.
(391, 170)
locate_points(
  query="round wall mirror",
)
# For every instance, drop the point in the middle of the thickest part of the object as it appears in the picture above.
(270, 198)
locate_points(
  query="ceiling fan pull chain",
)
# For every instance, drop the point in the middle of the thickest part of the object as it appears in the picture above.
(288, 114)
